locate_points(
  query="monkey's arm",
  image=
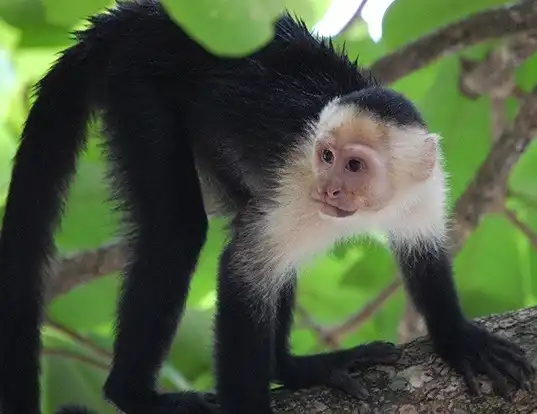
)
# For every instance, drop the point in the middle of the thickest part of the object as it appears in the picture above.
(468, 348)
(331, 368)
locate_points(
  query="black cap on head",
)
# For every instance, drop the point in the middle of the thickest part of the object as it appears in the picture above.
(387, 104)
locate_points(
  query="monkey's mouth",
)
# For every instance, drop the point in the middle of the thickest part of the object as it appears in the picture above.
(333, 211)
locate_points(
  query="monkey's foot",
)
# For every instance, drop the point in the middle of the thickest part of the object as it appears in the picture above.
(338, 369)
(474, 351)
(186, 402)
(173, 403)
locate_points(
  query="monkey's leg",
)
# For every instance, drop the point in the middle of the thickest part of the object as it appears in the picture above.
(468, 348)
(164, 201)
(333, 369)
(244, 331)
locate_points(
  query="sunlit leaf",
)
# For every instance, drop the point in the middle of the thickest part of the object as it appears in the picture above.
(227, 28)
(67, 12)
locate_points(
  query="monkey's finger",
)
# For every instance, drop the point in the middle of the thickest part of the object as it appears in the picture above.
(497, 379)
(380, 346)
(505, 343)
(372, 349)
(375, 354)
(520, 360)
(468, 375)
(210, 398)
(363, 363)
(509, 370)
(352, 386)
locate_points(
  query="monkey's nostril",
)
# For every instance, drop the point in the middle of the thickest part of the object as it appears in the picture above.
(334, 193)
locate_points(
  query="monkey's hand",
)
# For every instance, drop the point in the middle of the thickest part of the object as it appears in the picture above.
(473, 350)
(337, 369)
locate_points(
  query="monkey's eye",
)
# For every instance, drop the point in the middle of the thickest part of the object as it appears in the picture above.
(328, 156)
(355, 165)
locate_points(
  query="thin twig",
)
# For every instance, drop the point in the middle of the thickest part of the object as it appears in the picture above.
(80, 338)
(520, 225)
(78, 357)
(354, 322)
(322, 333)
(77, 269)
(525, 198)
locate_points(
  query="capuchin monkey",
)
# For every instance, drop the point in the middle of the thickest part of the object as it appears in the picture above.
(300, 146)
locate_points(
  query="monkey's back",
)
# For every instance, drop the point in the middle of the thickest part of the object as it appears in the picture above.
(245, 112)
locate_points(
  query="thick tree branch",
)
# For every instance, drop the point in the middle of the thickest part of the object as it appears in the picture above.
(422, 383)
(499, 22)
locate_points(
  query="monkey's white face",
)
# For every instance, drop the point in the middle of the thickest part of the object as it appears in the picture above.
(349, 177)
(354, 176)
(359, 164)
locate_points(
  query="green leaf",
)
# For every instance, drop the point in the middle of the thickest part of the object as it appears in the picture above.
(463, 124)
(417, 85)
(9, 36)
(88, 306)
(524, 174)
(525, 74)
(490, 271)
(191, 352)
(68, 381)
(68, 12)
(29, 17)
(227, 28)
(373, 270)
(7, 152)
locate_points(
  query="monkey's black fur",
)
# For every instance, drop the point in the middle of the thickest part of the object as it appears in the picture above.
(164, 99)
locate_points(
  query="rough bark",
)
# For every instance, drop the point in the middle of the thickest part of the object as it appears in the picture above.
(421, 383)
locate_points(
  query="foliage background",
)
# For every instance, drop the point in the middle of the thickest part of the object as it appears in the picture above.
(496, 271)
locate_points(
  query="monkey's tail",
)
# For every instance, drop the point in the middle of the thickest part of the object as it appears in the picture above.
(53, 136)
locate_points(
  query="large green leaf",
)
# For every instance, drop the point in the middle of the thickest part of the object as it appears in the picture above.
(488, 272)
(68, 381)
(227, 28)
(191, 352)
(241, 27)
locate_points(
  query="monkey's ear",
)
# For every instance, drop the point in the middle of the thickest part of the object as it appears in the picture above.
(427, 158)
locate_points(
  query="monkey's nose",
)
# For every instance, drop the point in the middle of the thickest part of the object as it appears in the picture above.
(333, 193)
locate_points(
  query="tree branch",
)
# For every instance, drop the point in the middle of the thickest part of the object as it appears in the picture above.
(499, 22)
(82, 267)
(494, 76)
(421, 383)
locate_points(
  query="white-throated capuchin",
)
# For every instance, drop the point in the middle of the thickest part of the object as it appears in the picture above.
(304, 148)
